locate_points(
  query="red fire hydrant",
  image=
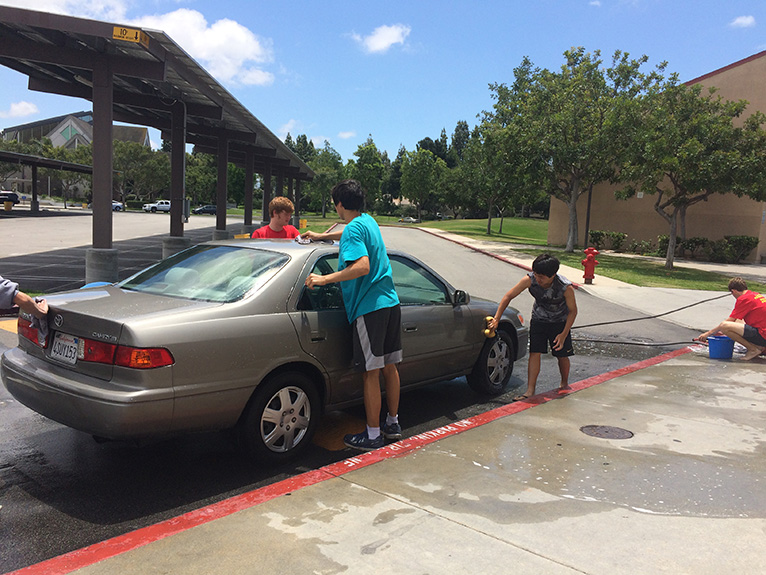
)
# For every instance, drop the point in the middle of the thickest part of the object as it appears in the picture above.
(590, 263)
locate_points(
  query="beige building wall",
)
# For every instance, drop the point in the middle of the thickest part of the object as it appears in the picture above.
(719, 216)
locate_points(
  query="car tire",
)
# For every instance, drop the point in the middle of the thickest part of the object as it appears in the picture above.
(281, 417)
(154, 210)
(493, 369)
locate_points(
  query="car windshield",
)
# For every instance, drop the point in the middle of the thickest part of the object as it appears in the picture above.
(208, 273)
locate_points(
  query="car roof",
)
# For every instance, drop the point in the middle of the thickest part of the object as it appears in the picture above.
(290, 247)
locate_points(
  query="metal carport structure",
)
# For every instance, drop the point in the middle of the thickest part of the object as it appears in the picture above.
(141, 76)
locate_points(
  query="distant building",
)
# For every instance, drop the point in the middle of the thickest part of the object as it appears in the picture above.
(71, 131)
(718, 216)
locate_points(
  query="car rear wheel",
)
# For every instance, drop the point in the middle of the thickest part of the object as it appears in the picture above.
(494, 367)
(281, 417)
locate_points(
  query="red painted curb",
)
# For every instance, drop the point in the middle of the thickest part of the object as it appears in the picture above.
(97, 552)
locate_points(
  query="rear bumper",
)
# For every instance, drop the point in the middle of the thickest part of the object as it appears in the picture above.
(86, 403)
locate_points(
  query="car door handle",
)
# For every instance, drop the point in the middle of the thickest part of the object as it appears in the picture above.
(317, 336)
(410, 327)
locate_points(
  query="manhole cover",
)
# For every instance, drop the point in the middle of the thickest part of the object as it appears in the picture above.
(606, 432)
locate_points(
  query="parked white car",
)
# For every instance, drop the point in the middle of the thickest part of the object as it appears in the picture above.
(158, 206)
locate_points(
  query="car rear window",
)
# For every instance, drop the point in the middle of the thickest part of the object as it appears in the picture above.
(209, 273)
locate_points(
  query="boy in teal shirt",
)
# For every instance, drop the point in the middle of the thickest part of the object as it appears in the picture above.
(372, 306)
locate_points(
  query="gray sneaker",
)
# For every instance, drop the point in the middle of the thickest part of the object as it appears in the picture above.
(361, 442)
(391, 431)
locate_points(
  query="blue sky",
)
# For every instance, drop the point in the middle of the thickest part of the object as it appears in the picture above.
(341, 70)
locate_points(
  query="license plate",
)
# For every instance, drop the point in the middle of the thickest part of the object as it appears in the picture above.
(64, 348)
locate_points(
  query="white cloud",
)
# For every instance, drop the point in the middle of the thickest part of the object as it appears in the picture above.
(594, 3)
(743, 22)
(19, 110)
(382, 38)
(346, 135)
(291, 127)
(109, 10)
(228, 50)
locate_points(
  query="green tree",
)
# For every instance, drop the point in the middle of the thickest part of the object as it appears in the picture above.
(686, 147)
(328, 167)
(139, 170)
(304, 148)
(422, 173)
(572, 121)
(72, 183)
(391, 187)
(460, 138)
(235, 184)
(289, 142)
(201, 178)
(368, 170)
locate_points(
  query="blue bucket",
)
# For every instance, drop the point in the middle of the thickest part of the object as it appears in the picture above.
(720, 347)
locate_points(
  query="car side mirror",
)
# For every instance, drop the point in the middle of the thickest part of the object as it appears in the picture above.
(460, 298)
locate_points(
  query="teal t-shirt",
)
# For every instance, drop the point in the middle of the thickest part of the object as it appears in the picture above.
(361, 237)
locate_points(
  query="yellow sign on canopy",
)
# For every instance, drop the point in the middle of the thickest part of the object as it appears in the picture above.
(130, 35)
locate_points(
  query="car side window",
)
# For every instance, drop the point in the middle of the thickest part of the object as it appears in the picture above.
(416, 285)
(322, 297)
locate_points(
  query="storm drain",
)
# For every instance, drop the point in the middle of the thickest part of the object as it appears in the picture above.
(606, 432)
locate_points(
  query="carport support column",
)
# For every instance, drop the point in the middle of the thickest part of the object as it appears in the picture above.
(297, 201)
(177, 168)
(220, 232)
(35, 206)
(248, 227)
(176, 241)
(266, 216)
(101, 259)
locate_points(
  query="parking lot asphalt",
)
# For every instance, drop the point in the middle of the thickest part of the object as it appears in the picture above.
(654, 468)
(46, 253)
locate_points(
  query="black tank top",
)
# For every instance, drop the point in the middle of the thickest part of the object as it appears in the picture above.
(550, 305)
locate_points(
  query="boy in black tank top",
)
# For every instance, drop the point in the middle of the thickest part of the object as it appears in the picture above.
(553, 314)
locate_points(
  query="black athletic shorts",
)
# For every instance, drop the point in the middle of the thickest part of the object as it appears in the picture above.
(754, 336)
(542, 334)
(378, 339)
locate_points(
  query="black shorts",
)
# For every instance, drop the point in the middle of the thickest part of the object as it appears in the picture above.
(378, 339)
(542, 333)
(754, 336)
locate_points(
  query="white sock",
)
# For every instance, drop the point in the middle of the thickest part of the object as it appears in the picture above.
(373, 432)
(390, 419)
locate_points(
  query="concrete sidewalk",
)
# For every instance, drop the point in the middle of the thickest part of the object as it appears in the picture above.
(520, 489)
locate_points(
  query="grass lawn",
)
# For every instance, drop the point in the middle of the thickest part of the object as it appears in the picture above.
(649, 273)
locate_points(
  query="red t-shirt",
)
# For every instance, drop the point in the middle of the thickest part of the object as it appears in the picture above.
(288, 232)
(751, 308)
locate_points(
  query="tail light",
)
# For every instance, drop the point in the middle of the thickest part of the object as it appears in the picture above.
(142, 358)
(101, 352)
(122, 355)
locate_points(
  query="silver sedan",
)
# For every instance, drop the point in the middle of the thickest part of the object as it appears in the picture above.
(225, 335)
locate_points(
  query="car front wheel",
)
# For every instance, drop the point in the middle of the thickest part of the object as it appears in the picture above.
(281, 417)
(494, 367)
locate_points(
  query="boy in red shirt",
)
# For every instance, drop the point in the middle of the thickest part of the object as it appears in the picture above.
(747, 322)
(281, 210)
